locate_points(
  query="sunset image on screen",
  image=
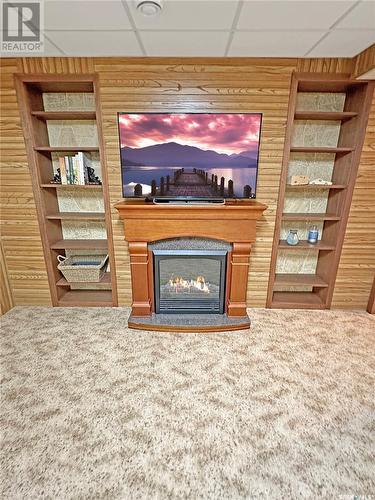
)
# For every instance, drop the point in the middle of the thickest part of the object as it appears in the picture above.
(189, 154)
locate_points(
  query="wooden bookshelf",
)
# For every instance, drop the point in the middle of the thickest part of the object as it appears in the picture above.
(35, 122)
(352, 121)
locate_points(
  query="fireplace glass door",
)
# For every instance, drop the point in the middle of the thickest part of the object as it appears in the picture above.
(189, 281)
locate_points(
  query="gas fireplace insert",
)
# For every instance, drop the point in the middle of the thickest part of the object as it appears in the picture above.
(189, 275)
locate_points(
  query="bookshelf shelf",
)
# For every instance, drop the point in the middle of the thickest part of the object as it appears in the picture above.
(79, 245)
(76, 216)
(297, 300)
(105, 281)
(318, 149)
(300, 280)
(310, 216)
(308, 82)
(37, 84)
(53, 205)
(71, 186)
(312, 187)
(65, 149)
(305, 245)
(345, 103)
(325, 115)
(86, 298)
(64, 115)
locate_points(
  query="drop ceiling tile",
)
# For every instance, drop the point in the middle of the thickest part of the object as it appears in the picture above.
(273, 43)
(167, 43)
(96, 43)
(85, 15)
(294, 15)
(361, 17)
(51, 50)
(341, 43)
(190, 14)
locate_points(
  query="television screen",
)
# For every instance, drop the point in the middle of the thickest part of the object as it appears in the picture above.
(189, 155)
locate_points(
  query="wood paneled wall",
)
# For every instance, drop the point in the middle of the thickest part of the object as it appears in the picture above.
(193, 85)
(144, 84)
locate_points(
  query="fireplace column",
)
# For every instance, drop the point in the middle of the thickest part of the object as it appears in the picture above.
(139, 264)
(239, 260)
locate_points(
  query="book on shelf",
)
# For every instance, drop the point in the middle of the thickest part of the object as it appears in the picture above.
(84, 163)
(71, 170)
(75, 165)
(74, 169)
(64, 179)
(68, 170)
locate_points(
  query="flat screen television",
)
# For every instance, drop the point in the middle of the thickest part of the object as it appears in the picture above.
(189, 155)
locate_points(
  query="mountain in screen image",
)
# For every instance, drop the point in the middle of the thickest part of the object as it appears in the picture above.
(171, 154)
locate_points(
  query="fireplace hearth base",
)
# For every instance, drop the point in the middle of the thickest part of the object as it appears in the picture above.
(189, 323)
(146, 225)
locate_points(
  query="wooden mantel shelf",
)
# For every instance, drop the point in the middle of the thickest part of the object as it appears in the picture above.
(234, 222)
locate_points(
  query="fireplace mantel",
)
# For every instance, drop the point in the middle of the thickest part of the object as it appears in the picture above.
(145, 222)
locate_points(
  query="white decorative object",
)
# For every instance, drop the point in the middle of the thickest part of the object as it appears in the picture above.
(297, 180)
(321, 182)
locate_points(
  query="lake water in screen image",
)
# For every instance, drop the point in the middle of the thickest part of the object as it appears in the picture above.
(241, 176)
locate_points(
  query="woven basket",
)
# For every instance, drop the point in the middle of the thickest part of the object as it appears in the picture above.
(82, 268)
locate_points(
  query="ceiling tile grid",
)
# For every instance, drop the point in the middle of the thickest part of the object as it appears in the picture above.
(184, 43)
(253, 28)
(277, 43)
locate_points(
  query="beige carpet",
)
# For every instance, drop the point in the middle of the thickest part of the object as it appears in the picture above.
(91, 409)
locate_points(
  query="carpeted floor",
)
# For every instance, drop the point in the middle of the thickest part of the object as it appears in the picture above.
(91, 409)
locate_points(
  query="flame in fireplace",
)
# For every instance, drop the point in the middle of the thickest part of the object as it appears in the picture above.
(179, 284)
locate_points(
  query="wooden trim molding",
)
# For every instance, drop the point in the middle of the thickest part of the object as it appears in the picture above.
(6, 296)
(371, 300)
(138, 325)
(364, 62)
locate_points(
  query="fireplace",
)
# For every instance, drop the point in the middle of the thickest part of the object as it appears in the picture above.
(189, 264)
(189, 276)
